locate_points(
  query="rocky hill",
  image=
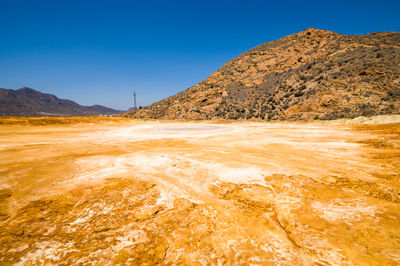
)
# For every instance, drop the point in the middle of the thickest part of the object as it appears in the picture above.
(314, 74)
(29, 102)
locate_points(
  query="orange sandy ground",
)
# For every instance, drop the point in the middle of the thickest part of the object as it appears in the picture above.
(113, 190)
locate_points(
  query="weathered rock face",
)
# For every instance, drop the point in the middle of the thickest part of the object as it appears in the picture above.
(314, 74)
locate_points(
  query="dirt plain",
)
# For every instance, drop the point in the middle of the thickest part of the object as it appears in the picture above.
(119, 191)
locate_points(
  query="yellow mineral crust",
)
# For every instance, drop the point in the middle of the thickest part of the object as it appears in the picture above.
(117, 191)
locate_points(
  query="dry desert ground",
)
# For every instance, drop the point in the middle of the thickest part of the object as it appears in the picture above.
(119, 191)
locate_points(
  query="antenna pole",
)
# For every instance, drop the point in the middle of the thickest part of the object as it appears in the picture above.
(134, 99)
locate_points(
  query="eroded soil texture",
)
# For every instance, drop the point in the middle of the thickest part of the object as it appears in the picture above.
(115, 191)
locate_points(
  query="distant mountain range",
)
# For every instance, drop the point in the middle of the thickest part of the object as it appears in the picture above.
(313, 74)
(29, 102)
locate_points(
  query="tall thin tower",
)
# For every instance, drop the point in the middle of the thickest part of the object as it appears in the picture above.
(134, 100)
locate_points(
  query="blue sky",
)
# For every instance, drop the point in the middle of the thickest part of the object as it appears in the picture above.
(99, 52)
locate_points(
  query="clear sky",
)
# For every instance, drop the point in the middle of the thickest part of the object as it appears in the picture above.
(99, 52)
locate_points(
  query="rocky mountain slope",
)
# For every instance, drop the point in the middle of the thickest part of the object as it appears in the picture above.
(314, 74)
(29, 102)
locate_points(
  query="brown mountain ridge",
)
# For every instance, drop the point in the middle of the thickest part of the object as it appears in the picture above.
(313, 74)
(29, 102)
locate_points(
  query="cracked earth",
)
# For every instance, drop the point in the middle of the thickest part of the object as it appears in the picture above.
(117, 191)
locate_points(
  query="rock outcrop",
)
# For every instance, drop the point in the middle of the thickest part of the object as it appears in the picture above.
(314, 74)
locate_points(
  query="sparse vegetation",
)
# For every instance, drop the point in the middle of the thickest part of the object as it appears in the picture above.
(353, 70)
